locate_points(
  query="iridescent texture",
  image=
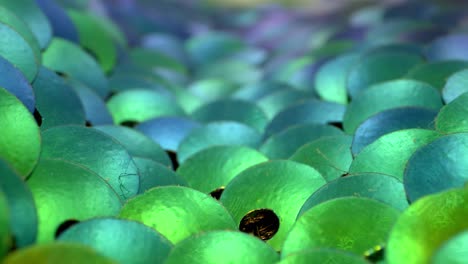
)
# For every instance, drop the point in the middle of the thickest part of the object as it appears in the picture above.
(390, 153)
(388, 95)
(379, 66)
(18, 51)
(22, 207)
(380, 187)
(137, 144)
(452, 117)
(80, 65)
(34, 18)
(177, 212)
(426, 225)
(437, 166)
(436, 73)
(153, 174)
(330, 80)
(64, 191)
(283, 144)
(390, 121)
(139, 105)
(16, 22)
(56, 102)
(168, 131)
(217, 133)
(222, 246)
(367, 224)
(121, 240)
(95, 151)
(16, 83)
(329, 155)
(93, 36)
(20, 143)
(281, 186)
(232, 110)
(456, 85)
(312, 111)
(215, 167)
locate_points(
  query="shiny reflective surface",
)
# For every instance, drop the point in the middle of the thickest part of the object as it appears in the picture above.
(215, 167)
(387, 95)
(232, 110)
(96, 151)
(93, 36)
(153, 174)
(456, 85)
(16, 83)
(324, 226)
(64, 191)
(330, 155)
(436, 73)
(437, 166)
(94, 106)
(167, 131)
(22, 207)
(389, 121)
(80, 66)
(33, 17)
(17, 50)
(283, 144)
(269, 185)
(452, 117)
(56, 101)
(426, 224)
(20, 143)
(177, 212)
(379, 66)
(277, 101)
(121, 240)
(310, 111)
(390, 153)
(330, 81)
(140, 105)
(448, 47)
(222, 246)
(380, 187)
(137, 144)
(217, 133)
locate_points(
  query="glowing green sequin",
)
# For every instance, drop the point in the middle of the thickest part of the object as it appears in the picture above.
(388, 95)
(94, 36)
(324, 225)
(177, 212)
(20, 143)
(222, 246)
(390, 153)
(215, 167)
(121, 240)
(269, 185)
(425, 225)
(329, 155)
(452, 117)
(64, 191)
